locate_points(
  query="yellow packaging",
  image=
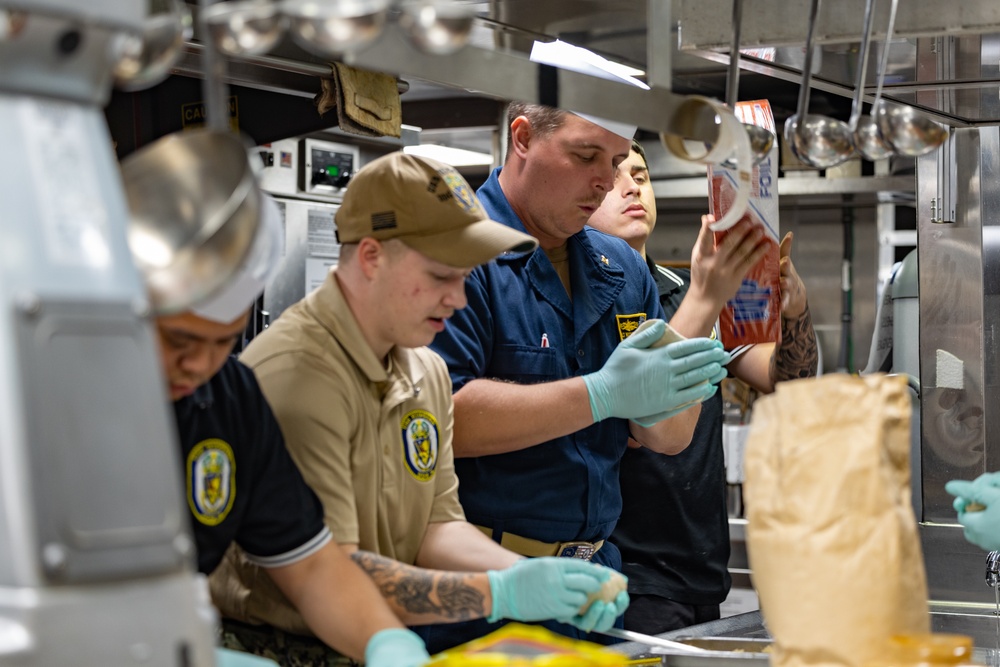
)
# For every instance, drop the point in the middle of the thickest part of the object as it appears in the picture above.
(516, 645)
(926, 650)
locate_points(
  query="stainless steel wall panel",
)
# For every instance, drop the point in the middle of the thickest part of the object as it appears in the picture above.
(955, 568)
(951, 321)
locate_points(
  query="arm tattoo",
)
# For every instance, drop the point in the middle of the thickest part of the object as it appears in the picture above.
(421, 591)
(796, 356)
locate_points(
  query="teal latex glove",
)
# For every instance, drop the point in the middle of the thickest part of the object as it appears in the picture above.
(226, 658)
(539, 589)
(601, 615)
(650, 384)
(981, 528)
(395, 647)
(712, 388)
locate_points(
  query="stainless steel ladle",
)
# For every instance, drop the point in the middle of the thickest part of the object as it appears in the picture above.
(902, 127)
(761, 139)
(816, 140)
(867, 138)
(335, 28)
(146, 60)
(245, 27)
(436, 26)
(908, 131)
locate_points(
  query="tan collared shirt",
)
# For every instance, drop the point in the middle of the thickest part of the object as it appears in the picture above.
(374, 443)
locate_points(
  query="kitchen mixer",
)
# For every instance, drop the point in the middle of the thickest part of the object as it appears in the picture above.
(96, 562)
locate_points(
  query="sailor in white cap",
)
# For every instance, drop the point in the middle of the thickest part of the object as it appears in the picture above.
(242, 486)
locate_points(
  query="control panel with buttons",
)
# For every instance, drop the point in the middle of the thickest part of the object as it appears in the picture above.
(328, 166)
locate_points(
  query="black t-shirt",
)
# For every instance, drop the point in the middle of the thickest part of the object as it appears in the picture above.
(674, 529)
(240, 482)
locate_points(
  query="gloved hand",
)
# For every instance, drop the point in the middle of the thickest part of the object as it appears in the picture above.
(395, 647)
(981, 528)
(539, 589)
(601, 615)
(712, 385)
(649, 384)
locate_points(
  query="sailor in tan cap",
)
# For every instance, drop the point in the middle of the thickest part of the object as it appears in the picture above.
(366, 411)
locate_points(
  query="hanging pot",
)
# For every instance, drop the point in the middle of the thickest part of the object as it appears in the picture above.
(195, 206)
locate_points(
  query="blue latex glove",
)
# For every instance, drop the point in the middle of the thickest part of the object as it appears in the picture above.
(395, 647)
(981, 528)
(226, 658)
(539, 589)
(650, 384)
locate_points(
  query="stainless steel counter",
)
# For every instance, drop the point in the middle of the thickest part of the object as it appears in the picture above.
(741, 640)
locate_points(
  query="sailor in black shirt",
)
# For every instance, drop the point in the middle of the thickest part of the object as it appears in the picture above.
(241, 484)
(673, 532)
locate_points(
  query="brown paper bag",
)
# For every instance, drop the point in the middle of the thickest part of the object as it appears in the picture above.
(831, 536)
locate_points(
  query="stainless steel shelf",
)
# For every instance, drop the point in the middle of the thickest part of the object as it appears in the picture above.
(697, 187)
(480, 71)
(837, 22)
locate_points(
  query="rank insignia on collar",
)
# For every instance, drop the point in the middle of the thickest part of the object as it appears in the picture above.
(627, 324)
(605, 260)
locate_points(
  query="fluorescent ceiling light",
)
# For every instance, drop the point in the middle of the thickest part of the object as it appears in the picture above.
(456, 157)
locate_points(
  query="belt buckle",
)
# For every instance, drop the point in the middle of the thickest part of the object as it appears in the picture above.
(581, 550)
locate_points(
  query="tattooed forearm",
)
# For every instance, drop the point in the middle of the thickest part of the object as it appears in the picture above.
(414, 592)
(456, 594)
(796, 357)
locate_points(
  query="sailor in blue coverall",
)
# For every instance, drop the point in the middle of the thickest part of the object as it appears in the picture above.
(556, 313)
(520, 325)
